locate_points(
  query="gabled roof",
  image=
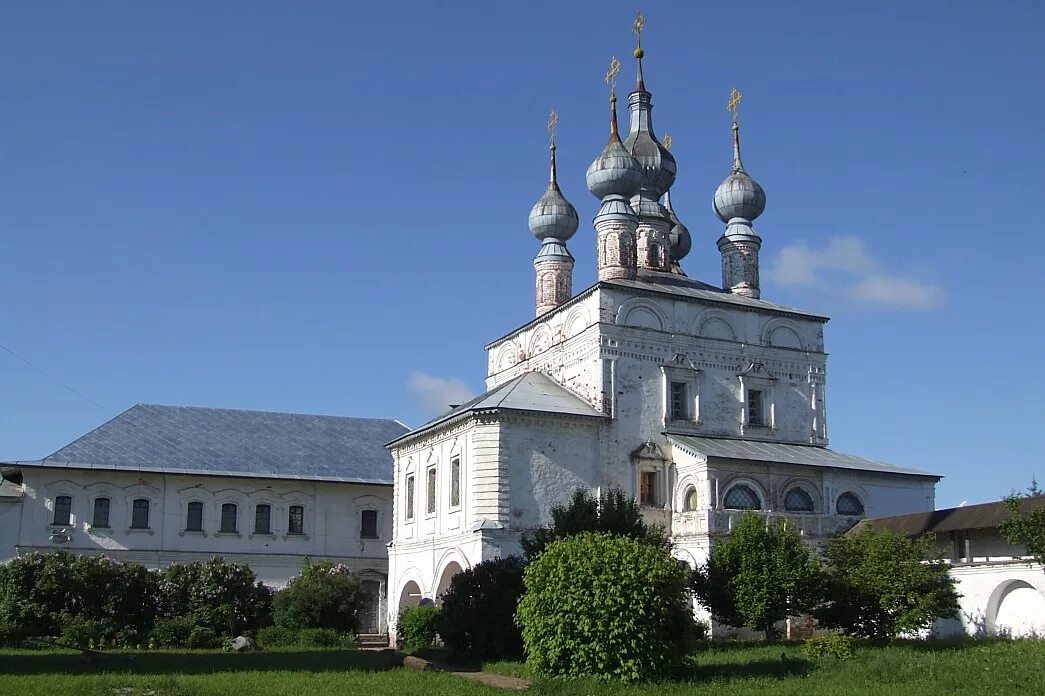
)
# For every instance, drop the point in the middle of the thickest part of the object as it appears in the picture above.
(776, 452)
(215, 441)
(982, 516)
(530, 391)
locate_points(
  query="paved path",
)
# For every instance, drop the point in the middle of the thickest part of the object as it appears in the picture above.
(489, 678)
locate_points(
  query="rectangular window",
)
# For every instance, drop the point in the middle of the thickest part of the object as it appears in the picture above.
(263, 519)
(408, 513)
(455, 482)
(679, 408)
(63, 509)
(140, 514)
(194, 517)
(648, 488)
(430, 491)
(368, 524)
(755, 408)
(296, 521)
(229, 512)
(101, 513)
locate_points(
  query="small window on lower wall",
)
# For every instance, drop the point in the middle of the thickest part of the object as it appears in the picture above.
(296, 520)
(690, 503)
(368, 524)
(741, 497)
(140, 514)
(194, 517)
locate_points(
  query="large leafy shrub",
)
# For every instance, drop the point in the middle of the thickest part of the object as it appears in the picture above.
(760, 574)
(203, 638)
(613, 512)
(836, 647)
(1026, 523)
(478, 612)
(284, 637)
(324, 595)
(880, 584)
(172, 632)
(224, 597)
(418, 627)
(608, 607)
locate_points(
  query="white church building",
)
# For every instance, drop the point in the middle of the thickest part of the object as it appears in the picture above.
(702, 400)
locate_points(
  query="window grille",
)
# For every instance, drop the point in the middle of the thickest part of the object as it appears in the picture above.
(798, 500)
(296, 521)
(229, 513)
(741, 497)
(63, 509)
(849, 504)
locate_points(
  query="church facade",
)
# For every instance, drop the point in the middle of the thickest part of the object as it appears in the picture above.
(701, 400)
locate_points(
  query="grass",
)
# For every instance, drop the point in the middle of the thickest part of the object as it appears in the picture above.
(910, 669)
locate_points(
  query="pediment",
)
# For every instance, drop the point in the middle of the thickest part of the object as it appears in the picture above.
(759, 370)
(649, 450)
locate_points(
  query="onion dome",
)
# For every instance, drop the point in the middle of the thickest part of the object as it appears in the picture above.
(552, 216)
(614, 171)
(739, 196)
(679, 240)
(658, 166)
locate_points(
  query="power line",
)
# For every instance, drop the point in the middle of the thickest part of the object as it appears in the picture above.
(56, 380)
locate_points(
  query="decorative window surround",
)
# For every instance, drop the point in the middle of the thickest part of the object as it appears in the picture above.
(650, 459)
(756, 379)
(681, 371)
(431, 491)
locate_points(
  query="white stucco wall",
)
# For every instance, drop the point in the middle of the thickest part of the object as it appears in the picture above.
(1004, 598)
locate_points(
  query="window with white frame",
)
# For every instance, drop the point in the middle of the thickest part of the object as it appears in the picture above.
(430, 490)
(263, 519)
(63, 509)
(455, 482)
(408, 502)
(681, 394)
(140, 513)
(756, 408)
(757, 395)
(194, 517)
(296, 520)
(100, 518)
(229, 518)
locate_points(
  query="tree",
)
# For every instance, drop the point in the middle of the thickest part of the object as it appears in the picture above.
(324, 595)
(880, 584)
(224, 597)
(606, 606)
(478, 612)
(759, 575)
(1026, 527)
(613, 512)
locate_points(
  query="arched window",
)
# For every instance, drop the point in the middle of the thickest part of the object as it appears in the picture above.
(229, 513)
(63, 509)
(101, 513)
(798, 500)
(296, 520)
(140, 514)
(849, 504)
(690, 502)
(741, 497)
(368, 524)
(263, 519)
(194, 518)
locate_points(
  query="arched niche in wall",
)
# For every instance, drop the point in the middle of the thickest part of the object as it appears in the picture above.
(712, 323)
(576, 321)
(540, 341)
(643, 313)
(507, 355)
(782, 333)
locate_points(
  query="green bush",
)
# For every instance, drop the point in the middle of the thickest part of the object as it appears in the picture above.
(225, 597)
(173, 632)
(418, 627)
(203, 638)
(324, 595)
(478, 612)
(82, 632)
(277, 637)
(319, 638)
(838, 647)
(607, 607)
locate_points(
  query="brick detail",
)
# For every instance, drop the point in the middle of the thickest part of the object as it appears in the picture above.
(615, 249)
(740, 267)
(651, 242)
(554, 284)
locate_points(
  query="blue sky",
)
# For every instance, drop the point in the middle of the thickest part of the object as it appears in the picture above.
(321, 207)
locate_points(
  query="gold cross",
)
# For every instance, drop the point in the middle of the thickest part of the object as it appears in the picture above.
(734, 103)
(640, 22)
(611, 76)
(667, 141)
(553, 121)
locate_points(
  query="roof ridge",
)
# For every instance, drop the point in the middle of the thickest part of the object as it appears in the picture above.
(257, 410)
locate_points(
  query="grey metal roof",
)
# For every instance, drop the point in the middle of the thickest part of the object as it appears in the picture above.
(681, 286)
(982, 516)
(775, 452)
(191, 440)
(530, 391)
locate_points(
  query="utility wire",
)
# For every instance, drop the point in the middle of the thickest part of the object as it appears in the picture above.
(56, 380)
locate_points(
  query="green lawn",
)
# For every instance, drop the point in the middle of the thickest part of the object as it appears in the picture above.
(773, 670)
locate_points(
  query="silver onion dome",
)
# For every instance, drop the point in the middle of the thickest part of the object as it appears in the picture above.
(658, 166)
(738, 196)
(552, 216)
(679, 240)
(614, 171)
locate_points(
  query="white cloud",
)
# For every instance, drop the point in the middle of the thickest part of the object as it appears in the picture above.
(845, 267)
(436, 393)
